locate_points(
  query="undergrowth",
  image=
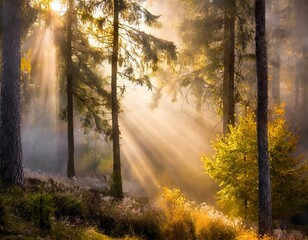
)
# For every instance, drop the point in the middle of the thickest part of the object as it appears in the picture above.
(50, 210)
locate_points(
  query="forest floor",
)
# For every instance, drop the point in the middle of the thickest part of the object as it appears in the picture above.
(57, 208)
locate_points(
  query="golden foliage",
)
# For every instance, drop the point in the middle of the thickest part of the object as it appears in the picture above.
(187, 220)
(25, 65)
(235, 167)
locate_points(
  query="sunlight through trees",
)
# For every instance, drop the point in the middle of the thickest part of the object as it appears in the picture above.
(109, 108)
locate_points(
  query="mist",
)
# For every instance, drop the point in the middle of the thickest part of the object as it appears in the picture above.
(160, 146)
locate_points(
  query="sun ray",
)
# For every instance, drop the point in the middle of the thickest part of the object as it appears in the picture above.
(58, 7)
(163, 147)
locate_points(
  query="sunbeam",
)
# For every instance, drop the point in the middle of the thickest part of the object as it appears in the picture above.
(41, 116)
(163, 147)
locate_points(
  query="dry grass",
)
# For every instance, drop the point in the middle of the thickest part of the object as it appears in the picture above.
(187, 220)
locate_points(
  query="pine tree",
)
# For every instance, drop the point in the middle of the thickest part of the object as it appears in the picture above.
(117, 176)
(89, 97)
(11, 169)
(136, 53)
(301, 84)
(69, 89)
(275, 47)
(265, 202)
(229, 63)
(215, 35)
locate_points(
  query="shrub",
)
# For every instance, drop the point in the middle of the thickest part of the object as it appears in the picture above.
(129, 217)
(186, 220)
(177, 222)
(40, 209)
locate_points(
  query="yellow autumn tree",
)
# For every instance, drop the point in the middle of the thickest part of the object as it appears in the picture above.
(234, 166)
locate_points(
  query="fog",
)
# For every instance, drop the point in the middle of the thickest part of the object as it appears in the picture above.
(160, 146)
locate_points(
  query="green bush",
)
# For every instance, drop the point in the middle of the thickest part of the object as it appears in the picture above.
(40, 209)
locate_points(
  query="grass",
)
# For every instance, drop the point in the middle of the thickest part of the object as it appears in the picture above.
(50, 210)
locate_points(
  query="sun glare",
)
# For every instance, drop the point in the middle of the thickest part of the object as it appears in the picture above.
(58, 7)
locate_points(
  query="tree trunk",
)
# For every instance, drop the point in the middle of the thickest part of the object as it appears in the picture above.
(198, 82)
(117, 189)
(69, 75)
(229, 58)
(299, 70)
(265, 203)
(301, 96)
(276, 53)
(11, 169)
(297, 87)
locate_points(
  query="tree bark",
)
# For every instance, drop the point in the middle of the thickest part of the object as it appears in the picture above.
(301, 85)
(265, 203)
(299, 70)
(198, 82)
(69, 75)
(117, 189)
(229, 58)
(276, 53)
(11, 169)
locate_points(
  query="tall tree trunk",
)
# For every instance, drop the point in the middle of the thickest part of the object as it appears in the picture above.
(69, 75)
(229, 58)
(198, 82)
(11, 169)
(265, 202)
(297, 87)
(301, 96)
(117, 189)
(276, 52)
(299, 70)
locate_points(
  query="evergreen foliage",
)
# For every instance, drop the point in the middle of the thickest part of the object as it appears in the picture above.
(90, 91)
(134, 55)
(202, 55)
(40, 209)
(140, 53)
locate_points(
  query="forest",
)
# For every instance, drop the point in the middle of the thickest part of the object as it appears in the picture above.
(152, 119)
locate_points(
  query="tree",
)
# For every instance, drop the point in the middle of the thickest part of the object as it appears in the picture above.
(89, 98)
(215, 35)
(275, 47)
(117, 176)
(235, 167)
(135, 55)
(301, 84)
(265, 202)
(11, 168)
(229, 63)
(69, 86)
